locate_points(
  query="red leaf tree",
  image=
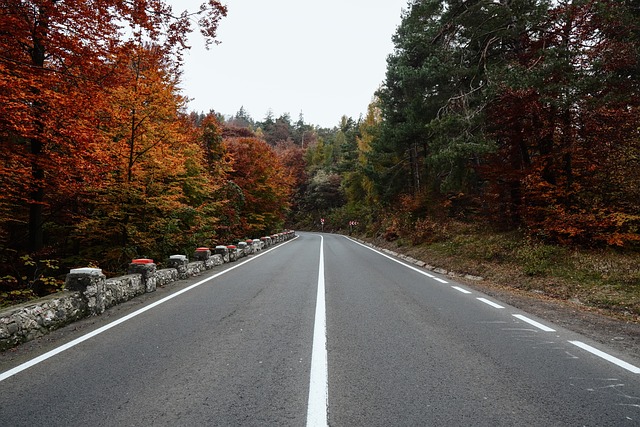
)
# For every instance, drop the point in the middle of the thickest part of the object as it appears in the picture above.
(567, 128)
(265, 185)
(56, 60)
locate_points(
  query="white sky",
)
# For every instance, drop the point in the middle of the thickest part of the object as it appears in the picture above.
(325, 58)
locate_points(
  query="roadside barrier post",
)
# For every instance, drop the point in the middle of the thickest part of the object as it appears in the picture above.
(90, 282)
(146, 268)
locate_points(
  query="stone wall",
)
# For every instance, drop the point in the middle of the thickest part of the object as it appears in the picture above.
(25, 322)
(89, 293)
(122, 289)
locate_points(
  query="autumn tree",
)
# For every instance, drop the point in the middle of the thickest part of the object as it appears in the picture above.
(212, 134)
(264, 185)
(56, 60)
(566, 123)
(158, 192)
(293, 162)
(359, 181)
(292, 159)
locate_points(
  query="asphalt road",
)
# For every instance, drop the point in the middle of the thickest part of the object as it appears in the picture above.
(398, 346)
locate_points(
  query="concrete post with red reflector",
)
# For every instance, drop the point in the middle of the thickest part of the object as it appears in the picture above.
(205, 255)
(147, 268)
(233, 253)
(202, 254)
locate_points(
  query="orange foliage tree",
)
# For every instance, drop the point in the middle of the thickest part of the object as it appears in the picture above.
(64, 66)
(56, 60)
(157, 195)
(292, 158)
(227, 196)
(263, 184)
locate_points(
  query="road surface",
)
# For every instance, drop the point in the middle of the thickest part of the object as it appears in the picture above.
(320, 330)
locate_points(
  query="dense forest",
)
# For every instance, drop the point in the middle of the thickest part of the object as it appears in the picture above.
(521, 114)
(516, 114)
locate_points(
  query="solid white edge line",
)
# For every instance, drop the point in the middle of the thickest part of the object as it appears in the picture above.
(318, 377)
(464, 291)
(607, 357)
(491, 303)
(534, 323)
(70, 344)
(424, 273)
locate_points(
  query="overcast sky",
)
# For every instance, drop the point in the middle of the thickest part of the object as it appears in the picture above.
(324, 58)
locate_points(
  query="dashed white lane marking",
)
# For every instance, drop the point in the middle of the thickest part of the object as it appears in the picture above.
(534, 323)
(607, 357)
(491, 303)
(67, 346)
(318, 380)
(464, 291)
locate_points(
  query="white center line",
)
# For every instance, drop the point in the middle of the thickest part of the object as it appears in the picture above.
(608, 357)
(534, 323)
(318, 381)
(464, 291)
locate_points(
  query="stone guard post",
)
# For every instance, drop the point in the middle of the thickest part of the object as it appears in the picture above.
(179, 262)
(223, 252)
(202, 254)
(233, 253)
(90, 282)
(147, 269)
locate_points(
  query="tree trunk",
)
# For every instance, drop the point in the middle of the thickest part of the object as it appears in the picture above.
(36, 203)
(36, 238)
